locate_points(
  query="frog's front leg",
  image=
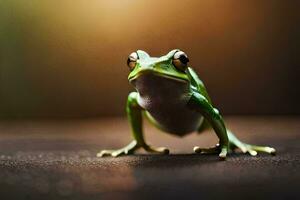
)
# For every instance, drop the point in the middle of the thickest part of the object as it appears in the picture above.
(134, 114)
(199, 103)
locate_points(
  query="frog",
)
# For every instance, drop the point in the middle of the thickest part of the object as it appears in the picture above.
(170, 94)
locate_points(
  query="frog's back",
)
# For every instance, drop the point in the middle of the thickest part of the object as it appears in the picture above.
(165, 101)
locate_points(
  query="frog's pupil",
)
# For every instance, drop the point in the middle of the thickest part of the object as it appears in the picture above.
(184, 59)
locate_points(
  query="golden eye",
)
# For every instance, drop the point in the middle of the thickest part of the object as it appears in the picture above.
(180, 60)
(131, 61)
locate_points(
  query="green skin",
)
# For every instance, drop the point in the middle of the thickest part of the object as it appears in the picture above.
(176, 102)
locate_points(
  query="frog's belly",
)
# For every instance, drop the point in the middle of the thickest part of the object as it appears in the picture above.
(165, 101)
(178, 123)
(175, 121)
(175, 118)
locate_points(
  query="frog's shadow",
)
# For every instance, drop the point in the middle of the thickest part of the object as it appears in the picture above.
(180, 159)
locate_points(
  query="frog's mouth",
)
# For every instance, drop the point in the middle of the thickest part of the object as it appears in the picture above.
(157, 73)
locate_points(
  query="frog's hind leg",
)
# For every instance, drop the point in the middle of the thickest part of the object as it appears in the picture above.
(235, 143)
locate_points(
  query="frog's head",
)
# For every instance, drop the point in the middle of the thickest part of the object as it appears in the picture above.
(170, 66)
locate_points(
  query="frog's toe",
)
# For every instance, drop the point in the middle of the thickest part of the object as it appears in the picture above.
(264, 149)
(272, 151)
(114, 153)
(161, 150)
(105, 153)
(223, 153)
(129, 149)
(253, 150)
(212, 150)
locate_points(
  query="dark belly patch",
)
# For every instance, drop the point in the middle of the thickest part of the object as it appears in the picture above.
(166, 101)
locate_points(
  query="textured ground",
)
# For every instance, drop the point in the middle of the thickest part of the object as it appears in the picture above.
(55, 159)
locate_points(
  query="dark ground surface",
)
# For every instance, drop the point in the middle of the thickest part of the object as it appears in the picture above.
(47, 159)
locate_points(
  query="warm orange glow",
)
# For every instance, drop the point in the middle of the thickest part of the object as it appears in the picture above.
(61, 56)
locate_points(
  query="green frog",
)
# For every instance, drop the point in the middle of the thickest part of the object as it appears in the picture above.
(172, 97)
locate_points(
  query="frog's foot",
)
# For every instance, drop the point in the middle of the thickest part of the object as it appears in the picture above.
(160, 150)
(222, 151)
(254, 149)
(129, 149)
(211, 150)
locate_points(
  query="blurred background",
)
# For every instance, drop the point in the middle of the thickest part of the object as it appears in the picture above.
(68, 58)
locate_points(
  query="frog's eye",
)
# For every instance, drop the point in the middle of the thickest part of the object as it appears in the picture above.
(180, 60)
(131, 61)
